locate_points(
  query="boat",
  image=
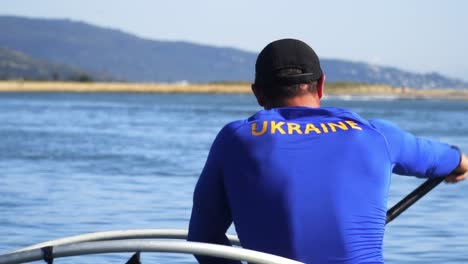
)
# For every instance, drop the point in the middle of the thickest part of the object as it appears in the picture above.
(140, 240)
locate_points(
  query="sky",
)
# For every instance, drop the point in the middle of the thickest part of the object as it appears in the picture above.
(415, 35)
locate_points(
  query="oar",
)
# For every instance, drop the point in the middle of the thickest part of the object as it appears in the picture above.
(413, 197)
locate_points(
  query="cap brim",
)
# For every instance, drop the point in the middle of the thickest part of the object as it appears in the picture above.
(298, 78)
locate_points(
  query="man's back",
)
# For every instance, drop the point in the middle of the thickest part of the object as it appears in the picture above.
(308, 184)
(314, 181)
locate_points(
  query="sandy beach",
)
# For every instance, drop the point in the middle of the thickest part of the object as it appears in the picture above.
(331, 89)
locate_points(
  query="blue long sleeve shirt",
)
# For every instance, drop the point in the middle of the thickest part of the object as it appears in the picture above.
(308, 184)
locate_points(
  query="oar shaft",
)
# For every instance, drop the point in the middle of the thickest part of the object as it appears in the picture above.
(413, 197)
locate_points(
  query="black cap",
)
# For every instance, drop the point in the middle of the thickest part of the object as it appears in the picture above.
(287, 54)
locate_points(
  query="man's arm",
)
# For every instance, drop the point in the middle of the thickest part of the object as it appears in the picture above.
(211, 216)
(417, 156)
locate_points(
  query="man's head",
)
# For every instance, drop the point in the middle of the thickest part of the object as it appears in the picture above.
(287, 73)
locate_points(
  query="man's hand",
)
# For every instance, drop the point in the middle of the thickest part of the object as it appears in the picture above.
(459, 173)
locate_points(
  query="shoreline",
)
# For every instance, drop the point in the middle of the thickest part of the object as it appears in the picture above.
(333, 89)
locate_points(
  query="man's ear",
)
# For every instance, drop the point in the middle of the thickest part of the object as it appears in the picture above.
(321, 85)
(259, 95)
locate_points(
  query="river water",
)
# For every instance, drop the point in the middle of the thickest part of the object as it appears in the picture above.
(72, 163)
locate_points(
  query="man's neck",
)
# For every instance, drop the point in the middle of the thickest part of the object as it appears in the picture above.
(306, 100)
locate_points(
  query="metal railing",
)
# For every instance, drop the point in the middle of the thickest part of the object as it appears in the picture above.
(131, 241)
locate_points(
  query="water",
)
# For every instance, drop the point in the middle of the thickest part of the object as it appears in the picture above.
(78, 163)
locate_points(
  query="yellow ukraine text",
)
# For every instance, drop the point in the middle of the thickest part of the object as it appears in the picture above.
(324, 128)
(264, 129)
(311, 127)
(277, 127)
(286, 128)
(294, 127)
(340, 125)
(353, 125)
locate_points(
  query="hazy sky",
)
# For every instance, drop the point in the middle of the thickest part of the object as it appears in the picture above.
(416, 35)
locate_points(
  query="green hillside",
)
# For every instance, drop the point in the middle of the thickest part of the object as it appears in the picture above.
(16, 65)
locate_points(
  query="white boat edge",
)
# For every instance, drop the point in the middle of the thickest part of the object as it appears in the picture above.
(122, 234)
(112, 242)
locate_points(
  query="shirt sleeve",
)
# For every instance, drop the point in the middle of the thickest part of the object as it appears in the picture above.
(211, 215)
(415, 156)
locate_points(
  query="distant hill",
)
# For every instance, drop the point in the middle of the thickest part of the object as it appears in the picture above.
(340, 70)
(122, 55)
(17, 65)
(128, 57)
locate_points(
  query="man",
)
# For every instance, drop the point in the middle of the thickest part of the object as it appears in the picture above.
(306, 182)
